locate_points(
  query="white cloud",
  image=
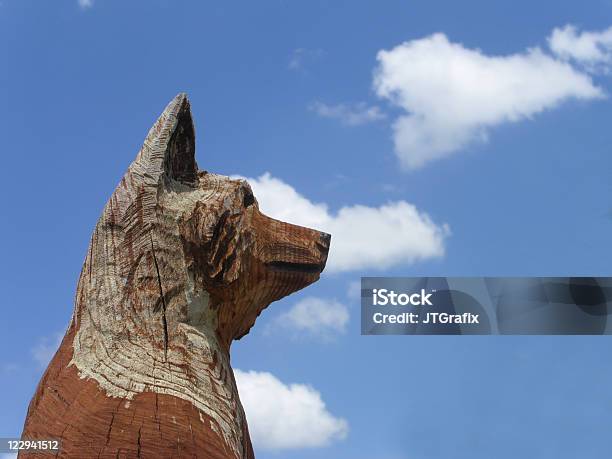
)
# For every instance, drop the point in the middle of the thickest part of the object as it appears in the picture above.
(286, 416)
(350, 115)
(8, 456)
(44, 351)
(452, 95)
(86, 3)
(362, 237)
(588, 48)
(315, 316)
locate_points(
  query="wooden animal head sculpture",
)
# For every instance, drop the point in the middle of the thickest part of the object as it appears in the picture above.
(180, 264)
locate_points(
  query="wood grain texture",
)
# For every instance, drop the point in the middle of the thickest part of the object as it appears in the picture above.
(180, 264)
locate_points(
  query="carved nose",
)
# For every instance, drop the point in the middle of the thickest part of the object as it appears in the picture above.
(325, 239)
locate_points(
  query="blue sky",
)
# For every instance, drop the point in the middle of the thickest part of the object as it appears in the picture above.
(498, 153)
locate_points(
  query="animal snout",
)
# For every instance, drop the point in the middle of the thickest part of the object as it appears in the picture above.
(324, 240)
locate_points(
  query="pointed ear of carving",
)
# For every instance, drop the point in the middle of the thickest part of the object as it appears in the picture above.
(179, 161)
(167, 155)
(169, 148)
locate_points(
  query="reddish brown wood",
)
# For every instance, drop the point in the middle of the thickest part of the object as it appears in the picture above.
(180, 264)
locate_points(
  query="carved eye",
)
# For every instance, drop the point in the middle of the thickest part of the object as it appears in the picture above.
(248, 199)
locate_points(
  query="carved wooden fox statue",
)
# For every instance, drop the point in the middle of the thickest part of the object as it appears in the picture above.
(180, 264)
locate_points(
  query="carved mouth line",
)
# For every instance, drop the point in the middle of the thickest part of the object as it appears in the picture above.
(294, 267)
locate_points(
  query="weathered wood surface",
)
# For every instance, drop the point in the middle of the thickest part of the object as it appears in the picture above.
(180, 264)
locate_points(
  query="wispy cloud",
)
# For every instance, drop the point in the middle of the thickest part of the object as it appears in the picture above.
(349, 114)
(353, 291)
(318, 317)
(592, 49)
(286, 416)
(363, 237)
(44, 351)
(301, 57)
(8, 368)
(86, 3)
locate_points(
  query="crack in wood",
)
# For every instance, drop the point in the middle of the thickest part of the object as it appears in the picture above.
(162, 298)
